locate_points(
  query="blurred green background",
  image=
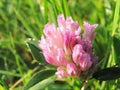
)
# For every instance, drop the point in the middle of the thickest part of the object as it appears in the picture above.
(22, 20)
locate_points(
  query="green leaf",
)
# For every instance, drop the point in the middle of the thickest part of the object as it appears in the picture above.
(107, 74)
(43, 84)
(36, 52)
(42, 77)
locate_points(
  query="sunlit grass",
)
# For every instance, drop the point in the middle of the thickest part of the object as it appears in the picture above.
(24, 19)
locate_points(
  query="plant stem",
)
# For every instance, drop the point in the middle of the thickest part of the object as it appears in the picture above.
(85, 82)
(21, 79)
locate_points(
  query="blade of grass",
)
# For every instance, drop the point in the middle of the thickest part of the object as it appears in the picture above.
(25, 24)
(4, 85)
(45, 12)
(15, 54)
(65, 8)
(116, 17)
(35, 14)
(9, 73)
(53, 11)
(112, 60)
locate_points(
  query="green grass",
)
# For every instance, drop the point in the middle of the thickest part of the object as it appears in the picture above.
(21, 20)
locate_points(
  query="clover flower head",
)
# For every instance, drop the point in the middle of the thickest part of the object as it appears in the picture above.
(67, 48)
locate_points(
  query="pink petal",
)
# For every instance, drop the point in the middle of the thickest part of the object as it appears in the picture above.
(61, 21)
(77, 53)
(60, 73)
(85, 62)
(61, 58)
(42, 43)
(89, 31)
(76, 28)
(71, 69)
(69, 41)
(49, 30)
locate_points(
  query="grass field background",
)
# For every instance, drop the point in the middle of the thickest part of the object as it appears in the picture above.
(22, 20)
